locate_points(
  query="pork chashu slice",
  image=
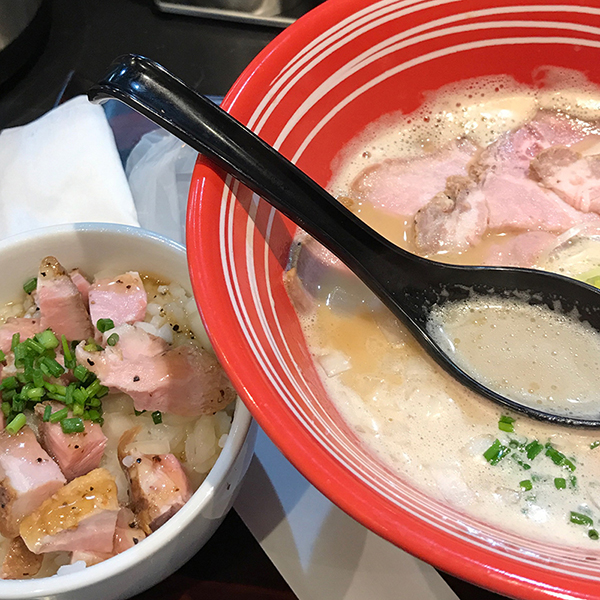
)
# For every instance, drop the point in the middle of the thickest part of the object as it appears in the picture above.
(81, 516)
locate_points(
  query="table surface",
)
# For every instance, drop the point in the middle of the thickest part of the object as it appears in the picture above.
(83, 37)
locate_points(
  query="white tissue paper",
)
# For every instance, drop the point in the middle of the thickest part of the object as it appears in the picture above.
(62, 168)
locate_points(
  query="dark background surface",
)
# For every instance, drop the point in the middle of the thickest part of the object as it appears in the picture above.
(72, 44)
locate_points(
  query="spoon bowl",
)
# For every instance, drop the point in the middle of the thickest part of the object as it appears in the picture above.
(409, 285)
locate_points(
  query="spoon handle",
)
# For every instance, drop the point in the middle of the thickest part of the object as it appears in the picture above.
(151, 90)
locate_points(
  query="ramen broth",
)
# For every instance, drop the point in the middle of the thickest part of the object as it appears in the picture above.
(532, 354)
(532, 477)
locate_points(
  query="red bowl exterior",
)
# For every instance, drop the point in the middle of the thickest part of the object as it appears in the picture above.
(318, 85)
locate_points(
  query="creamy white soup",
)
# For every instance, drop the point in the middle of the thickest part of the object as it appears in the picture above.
(485, 172)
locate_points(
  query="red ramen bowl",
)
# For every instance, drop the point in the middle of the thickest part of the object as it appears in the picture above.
(339, 69)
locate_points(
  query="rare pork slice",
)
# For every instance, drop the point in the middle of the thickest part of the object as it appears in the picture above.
(28, 476)
(25, 327)
(61, 305)
(81, 283)
(122, 299)
(128, 533)
(404, 186)
(503, 188)
(159, 485)
(454, 219)
(80, 517)
(572, 176)
(20, 562)
(185, 380)
(75, 453)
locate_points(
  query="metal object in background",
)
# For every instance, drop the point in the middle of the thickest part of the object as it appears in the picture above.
(23, 25)
(280, 13)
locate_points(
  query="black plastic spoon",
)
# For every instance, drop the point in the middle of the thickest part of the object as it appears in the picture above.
(407, 284)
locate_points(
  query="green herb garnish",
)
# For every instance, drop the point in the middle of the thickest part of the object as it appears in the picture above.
(496, 452)
(105, 325)
(30, 285)
(580, 519)
(506, 423)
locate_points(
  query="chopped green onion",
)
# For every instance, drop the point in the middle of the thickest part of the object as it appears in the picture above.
(105, 325)
(2, 356)
(92, 346)
(558, 458)
(6, 409)
(533, 449)
(69, 394)
(54, 368)
(496, 452)
(521, 463)
(59, 415)
(33, 346)
(47, 339)
(593, 534)
(9, 383)
(573, 481)
(102, 392)
(506, 424)
(526, 485)
(157, 417)
(78, 410)
(580, 519)
(81, 373)
(73, 425)
(595, 444)
(47, 413)
(93, 388)
(67, 353)
(560, 483)
(30, 285)
(16, 424)
(34, 393)
(112, 339)
(16, 338)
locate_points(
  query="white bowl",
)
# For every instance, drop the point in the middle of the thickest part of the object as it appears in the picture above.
(94, 247)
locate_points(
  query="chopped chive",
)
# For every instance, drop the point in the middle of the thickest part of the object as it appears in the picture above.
(94, 415)
(6, 409)
(72, 425)
(78, 409)
(55, 369)
(92, 389)
(47, 413)
(506, 424)
(526, 485)
(81, 373)
(95, 402)
(9, 383)
(533, 449)
(47, 339)
(33, 346)
(560, 483)
(593, 534)
(92, 346)
(70, 361)
(496, 452)
(558, 458)
(521, 463)
(59, 415)
(102, 392)
(34, 393)
(112, 339)
(157, 417)
(16, 338)
(105, 325)
(573, 481)
(595, 444)
(30, 285)
(2, 356)
(580, 519)
(16, 424)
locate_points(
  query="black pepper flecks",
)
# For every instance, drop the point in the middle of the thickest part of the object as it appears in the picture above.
(136, 378)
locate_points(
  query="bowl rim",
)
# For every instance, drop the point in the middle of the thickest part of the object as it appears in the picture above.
(96, 574)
